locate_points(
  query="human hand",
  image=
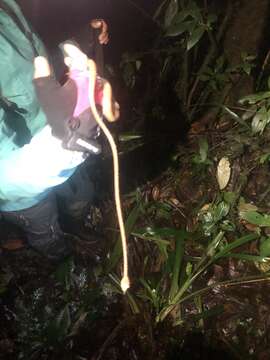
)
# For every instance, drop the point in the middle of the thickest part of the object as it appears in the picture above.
(102, 25)
(101, 90)
(41, 67)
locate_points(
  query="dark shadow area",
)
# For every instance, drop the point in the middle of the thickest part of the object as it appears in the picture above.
(160, 121)
(263, 55)
(196, 347)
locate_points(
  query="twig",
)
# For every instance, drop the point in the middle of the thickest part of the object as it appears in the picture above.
(109, 340)
(228, 283)
(266, 60)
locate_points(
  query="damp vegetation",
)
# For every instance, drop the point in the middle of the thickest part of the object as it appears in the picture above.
(194, 157)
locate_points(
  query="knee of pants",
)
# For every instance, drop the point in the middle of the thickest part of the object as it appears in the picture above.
(41, 226)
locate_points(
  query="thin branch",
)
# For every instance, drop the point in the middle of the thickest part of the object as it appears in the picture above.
(109, 340)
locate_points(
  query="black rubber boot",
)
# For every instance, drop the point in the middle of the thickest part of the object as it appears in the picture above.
(76, 200)
(40, 223)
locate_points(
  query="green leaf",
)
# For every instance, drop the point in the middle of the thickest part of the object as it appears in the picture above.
(63, 321)
(129, 137)
(179, 28)
(221, 210)
(178, 258)
(211, 19)
(194, 11)
(195, 36)
(227, 225)
(64, 271)
(117, 289)
(159, 9)
(265, 247)
(158, 235)
(181, 16)
(264, 158)
(247, 257)
(203, 145)
(254, 98)
(260, 120)
(215, 311)
(235, 244)
(229, 197)
(152, 293)
(171, 11)
(234, 116)
(129, 225)
(255, 218)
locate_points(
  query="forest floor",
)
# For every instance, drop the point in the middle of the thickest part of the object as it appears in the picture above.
(180, 226)
(199, 253)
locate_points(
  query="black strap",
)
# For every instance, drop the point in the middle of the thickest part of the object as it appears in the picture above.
(14, 123)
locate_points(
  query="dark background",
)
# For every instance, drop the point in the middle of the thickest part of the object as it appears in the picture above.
(58, 20)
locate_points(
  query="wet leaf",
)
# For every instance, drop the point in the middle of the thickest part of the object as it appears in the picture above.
(203, 145)
(129, 225)
(264, 158)
(159, 9)
(178, 258)
(221, 210)
(229, 197)
(215, 311)
(256, 218)
(244, 207)
(181, 16)
(158, 235)
(260, 120)
(254, 98)
(235, 244)
(180, 28)
(249, 113)
(211, 19)
(63, 272)
(247, 257)
(227, 226)
(195, 37)
(265, 247)
(223, 173)
(170, 12)
(129, 137)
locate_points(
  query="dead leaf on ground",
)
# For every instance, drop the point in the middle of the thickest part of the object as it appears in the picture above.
(223, 173)
(248, 226)
(13, 244)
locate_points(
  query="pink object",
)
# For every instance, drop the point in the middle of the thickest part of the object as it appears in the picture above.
(82, 81)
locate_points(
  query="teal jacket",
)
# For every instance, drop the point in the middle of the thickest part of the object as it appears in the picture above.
(26, 173)
(16, 66)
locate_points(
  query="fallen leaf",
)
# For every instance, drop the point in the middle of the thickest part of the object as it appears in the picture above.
(245, 207)
(13, 244)
(223, 172)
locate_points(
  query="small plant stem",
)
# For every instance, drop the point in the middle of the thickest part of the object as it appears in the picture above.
(202, 266)
(110, 339)
(209, 57)
(239, 281)
(179, 254)
(266, 60)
